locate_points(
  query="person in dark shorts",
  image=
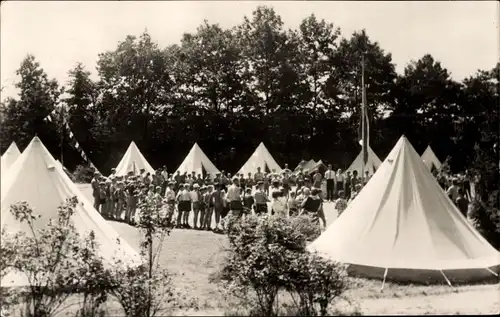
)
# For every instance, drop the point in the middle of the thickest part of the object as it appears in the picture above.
(248, 202)
(261, 199)
(462, 202)
(217, 200)
(233, 196)
(312, 205)
(183, 206)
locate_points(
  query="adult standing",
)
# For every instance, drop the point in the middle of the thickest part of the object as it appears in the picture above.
(331, 182)
(286, 169)
(317, 178)
(340, 178)
(233, 196)
(312, 206)
(347, 185)
(261, 199)
(96, 190)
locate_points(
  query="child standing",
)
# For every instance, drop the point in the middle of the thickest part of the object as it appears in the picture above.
(207, 199)
(121, 197)
(293, 205)
(261, 199)
(170, 200)
(340, 203)
(184, 207)
(278, 205)
(218, 203)
(248, 201)
(203, 206)
(195, 199)
(462, 202)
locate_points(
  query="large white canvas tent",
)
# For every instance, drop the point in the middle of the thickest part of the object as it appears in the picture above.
(403, 227)
(260, 158)
(133, 161)
(371, 166)
(430, 159)
(197, 161)
(9, 157)
(36, 178)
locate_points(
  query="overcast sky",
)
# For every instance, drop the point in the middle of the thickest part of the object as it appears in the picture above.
(464, 36)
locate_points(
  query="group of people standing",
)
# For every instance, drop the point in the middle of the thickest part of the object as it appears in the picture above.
(118, 197)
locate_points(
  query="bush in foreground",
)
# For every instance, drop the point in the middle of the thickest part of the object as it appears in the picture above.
(268, 257)
(51, 264)
(55, 263)
(147, 290)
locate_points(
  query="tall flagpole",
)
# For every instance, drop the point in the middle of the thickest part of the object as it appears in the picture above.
(363, 118)
(62, 136)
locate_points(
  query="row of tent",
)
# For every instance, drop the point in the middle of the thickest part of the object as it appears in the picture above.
(197, 161)
(401, 226)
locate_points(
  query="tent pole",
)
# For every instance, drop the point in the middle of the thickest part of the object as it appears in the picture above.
(447, 280)
(491, 271)
(383, 282)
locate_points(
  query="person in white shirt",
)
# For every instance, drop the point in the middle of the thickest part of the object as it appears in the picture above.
(286, 170)
(233, 197)
(340, 178)
(331, 182)
(278, 206)
(183, 207)
(170, 200)
(196, 201)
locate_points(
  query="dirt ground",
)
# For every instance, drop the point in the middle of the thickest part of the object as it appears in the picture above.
(194, 255)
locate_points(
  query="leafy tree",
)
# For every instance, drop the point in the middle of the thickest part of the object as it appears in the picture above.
(23, 118)
(482, 110)
(317, 44)
(379, 80)
(135, 85)
(269, 57)
(426, 94)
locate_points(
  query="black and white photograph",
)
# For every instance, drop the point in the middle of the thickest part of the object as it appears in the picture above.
(249, 158)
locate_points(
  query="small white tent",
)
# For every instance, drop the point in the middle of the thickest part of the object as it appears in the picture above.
(38, 179)
(260, 158)
(403, 226)
(430, 159)
(371, 166)
(305, 166)
(197, 161)
(9, 157)
(133, 161)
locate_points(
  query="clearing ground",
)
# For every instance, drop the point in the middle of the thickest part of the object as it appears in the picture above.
(195, 255)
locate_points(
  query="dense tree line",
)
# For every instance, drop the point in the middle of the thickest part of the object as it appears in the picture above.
(298, 90)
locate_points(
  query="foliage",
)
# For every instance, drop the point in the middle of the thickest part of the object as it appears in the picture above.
(485, 209)
(53, 262)
(83, 174)
(267, 255)
(230, 88)
(147, 290)
(317, 282)
(484, 92)
(140, 294)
